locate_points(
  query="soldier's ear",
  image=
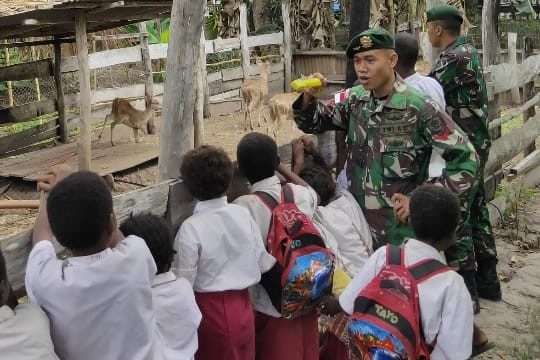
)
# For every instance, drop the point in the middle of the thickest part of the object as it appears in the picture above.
(393, 59)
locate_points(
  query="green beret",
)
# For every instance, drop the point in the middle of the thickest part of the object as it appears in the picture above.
(370, 39)
(444, 12)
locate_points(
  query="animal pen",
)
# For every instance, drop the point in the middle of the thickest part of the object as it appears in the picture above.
(169, 198)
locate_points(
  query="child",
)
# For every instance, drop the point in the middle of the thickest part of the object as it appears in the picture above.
(24, 329)
(277, 338)
(221, 253)
(177, 314)
(445, 304)
(99, 299)
(345, 229)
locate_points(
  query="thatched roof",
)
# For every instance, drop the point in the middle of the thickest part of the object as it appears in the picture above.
(38, 18)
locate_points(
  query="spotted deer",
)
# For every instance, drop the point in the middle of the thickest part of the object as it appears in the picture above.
(280, 111)
(123, 112)
(253, 91)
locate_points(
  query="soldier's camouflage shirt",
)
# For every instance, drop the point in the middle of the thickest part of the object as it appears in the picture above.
(390, 143)
(459, 71)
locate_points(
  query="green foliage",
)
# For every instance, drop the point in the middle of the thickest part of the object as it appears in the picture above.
(154, 37)
(271, 13)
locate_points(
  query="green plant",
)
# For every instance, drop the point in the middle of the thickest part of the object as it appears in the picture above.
(271, 13)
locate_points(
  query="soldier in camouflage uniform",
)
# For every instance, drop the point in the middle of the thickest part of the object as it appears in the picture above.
(392, 130)
(459, 71)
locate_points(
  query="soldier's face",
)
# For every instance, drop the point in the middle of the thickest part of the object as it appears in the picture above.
(433, 31)
(374, 68)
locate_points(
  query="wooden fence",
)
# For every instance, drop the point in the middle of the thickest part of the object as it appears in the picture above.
(223, 85)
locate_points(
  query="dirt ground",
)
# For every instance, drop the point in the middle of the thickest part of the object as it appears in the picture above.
(514, 323)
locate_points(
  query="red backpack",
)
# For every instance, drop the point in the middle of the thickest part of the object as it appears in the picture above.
(304, 268)
(386, 320)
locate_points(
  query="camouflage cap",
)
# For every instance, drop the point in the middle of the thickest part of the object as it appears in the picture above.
(444, 12)
(370, 39)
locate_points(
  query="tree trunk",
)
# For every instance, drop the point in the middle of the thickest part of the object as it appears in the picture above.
(176, 135)
(258, 19)
(356, 26)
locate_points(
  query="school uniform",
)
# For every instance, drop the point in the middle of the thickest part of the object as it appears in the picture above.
(177, 315)
(347, 233)
(99, 306)
(221, 253)
(25, 334)
(445, 303)
(279, 338)
(429, 86)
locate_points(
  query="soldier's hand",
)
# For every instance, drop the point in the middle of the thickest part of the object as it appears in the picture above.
(401, 207)
(310, 93)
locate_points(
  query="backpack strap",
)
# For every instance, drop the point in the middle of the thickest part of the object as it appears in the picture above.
(425, 269)
(287, 194)
(267, 200)
(394, 255)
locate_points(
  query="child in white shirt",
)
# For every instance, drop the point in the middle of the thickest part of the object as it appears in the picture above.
(24, 329)
(99, 299)
(176, 311)
(277, 337)
(445, 304)
(221, 252)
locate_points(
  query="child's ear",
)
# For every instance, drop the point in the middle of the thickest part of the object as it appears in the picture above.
(113, 224)
(278, 161)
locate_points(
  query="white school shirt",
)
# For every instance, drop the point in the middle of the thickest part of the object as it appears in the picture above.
(177, 315)
(25, 334)
(100, 306)
(306, 200)
(351, 236)
(445, 303)
(429, 86)
(219, 248)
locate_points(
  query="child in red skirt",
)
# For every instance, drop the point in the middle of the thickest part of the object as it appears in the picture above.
(221, 252)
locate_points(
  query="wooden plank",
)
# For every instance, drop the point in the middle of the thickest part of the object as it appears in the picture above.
(266, 39)
(287, 43)
(27, 112)
(528, 89)
(215, 76)
(221, 45)
(219, 87)
(506, 76)
(201, 86)
(226, 95)
(232, 74)
(255, 70)
(105, 58)
(246, 58)
(510, 145)
(60, 101)
(208, 47)
(108, 95)
(158, 51)
(512, 50)
(85, 137)
(28, 137)
(528, 163)
(511, 114)
(16, 247)
(19, 204)
(25, 71)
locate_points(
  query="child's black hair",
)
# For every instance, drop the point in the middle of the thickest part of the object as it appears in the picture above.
(156, 233)
(320, 179)
(257, 156)
(207, 172)
(79, 209)
(407, 50)
(434, 213)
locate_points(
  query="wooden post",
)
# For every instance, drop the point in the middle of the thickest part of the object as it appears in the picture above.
(149, 76)
(287, 43)
(36, 80)
(490, 42)
(94, 72)
(207, 112)
(246, 62)
(429, 54)
(176, 135)
(9, 83)
(359, 22)
(528, 89)
(512, 59)
(85, 137)
(60, 105)
(198, 115)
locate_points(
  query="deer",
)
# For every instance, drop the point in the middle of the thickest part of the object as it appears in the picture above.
(279, 111)
(253, 91)
(123, 112)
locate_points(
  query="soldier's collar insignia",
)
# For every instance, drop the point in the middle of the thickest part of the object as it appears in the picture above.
(366, 42)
